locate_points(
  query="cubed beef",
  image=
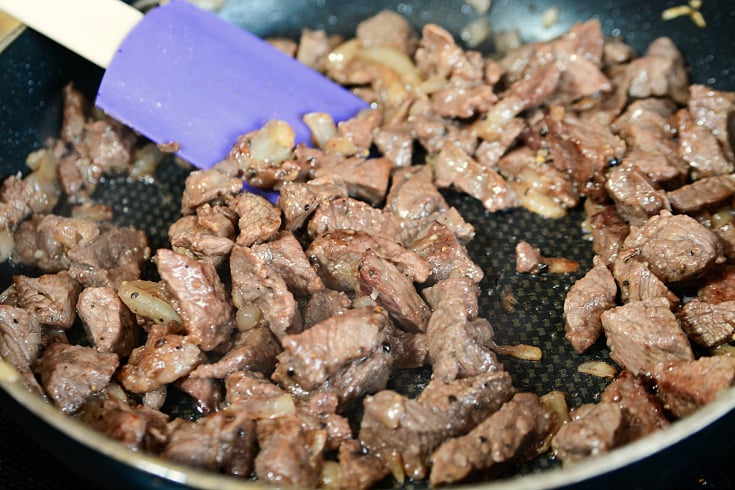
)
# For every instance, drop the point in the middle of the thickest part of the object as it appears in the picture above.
(198, 296)
(642, 413)
(136, 427)
(285, 254)
(207, 235)
(208, 186)
(254, 349)
(20, 343)
(660, 72)
(636, 198)
(686, 385)
(593, 430)
(608, 230)
(364, 178)
(643, 333)
(637, 282)
(445, 255)
(51, 298)
(344, 213)
(298, 200)
(258, 219)
(72, 373)
(585, 302)
(323, 304)
(43, 241)
(109, 324)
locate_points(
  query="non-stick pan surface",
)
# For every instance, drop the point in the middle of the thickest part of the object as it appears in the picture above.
(33, 70)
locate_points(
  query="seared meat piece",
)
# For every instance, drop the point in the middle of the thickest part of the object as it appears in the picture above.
(313, 48)
(593, 430)
(358, 470)
(637, 282)
(660, 72)
(163, 359)
(714, 110)
(323, 304)
(255, 393)
(453, 167)
(256, 283)
(20, 343)
(210, 186)
(136, 427)
(685, 386)
(109, 324)
(583, 149)
(50, 298)
(387, 29)
(458, 342)
(364, 178)
(253, 349)
(700, 148)
(708, 324)
(319, 412)
(396, 144)
(326, 355)
(578, 53)
(337, 255)
(299, 200)
(412, 194)
(719, 286)
(490, 153)
(646, 125)
(585, 302)
(451, 218)
(513, 433)
(636, 199)
(43, 241)
(258, 220)
(402, 431)
(528, 258)
(409, 350)
(468, 401)
(116, 255)
(223, 441)
(289, 455)
(72, 373)
(344, 213)
(446, 256)
(676, 247)
(285, 255)
(360, 128)
(207, 393)
(642, 413)
(608, 232)
(199, 298)
(643, 333)
(207, 236)
(391, 289)
(703, 193)
(15, 200)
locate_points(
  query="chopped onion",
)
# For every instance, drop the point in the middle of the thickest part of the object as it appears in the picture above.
(148, 299)
(248, 317)
(598, 368)
(322, 127)
(519, 351)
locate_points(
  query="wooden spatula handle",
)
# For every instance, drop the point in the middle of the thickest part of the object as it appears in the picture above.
(91, 28)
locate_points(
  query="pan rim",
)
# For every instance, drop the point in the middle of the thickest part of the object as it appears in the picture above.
(549, 479)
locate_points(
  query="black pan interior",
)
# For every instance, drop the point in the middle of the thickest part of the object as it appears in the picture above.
(522, 308)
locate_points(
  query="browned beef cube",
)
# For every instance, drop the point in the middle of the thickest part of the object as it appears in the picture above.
(43, 241)
(719, 286)
(286, 456)
(198, 296)
(20, 343)
(207, 393)
(594, 430)
(136, 427)
(329, 355)
(357, 470)
(642, 413)
(412, 193)
(72, 373)
(644, 333)
(50, 297)
(109, 324)
(636, 198)
(676, 247)
(210, 186)
(253, 349)
(350, 214)
(585, 302)
(637, 282)
(208, 236)
(685, 386)
(285, 254)
(299, 200)
(364, 178)
(703, 193)
(708, 324)
(258, 219)
(116, 255)
(323, 304)
(660, 72)
(699, 147)
(446, 256)
(223, 441)
(714, 110)
(608, 231)
(513, 433)
(382, 281)
(163, 359)
(255, 283)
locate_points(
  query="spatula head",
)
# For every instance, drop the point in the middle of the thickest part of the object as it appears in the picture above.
(185, 76)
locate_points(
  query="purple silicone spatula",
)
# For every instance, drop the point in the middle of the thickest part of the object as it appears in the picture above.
(182, 75)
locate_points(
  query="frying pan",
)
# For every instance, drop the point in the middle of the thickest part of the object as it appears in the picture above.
(33, 70)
